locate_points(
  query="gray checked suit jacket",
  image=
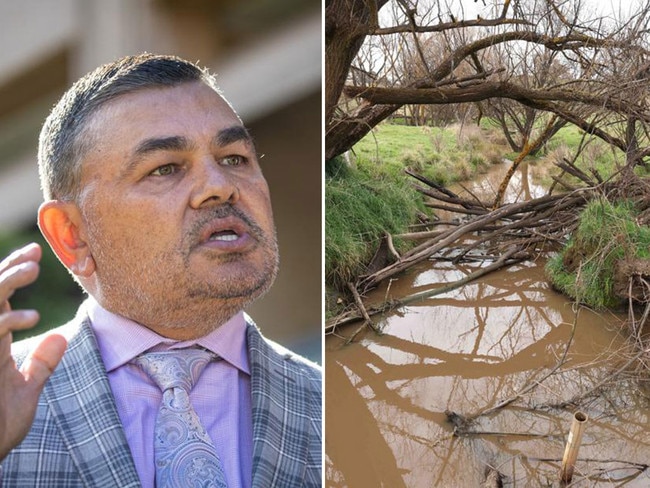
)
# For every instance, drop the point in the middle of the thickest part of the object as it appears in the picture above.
(77, 439)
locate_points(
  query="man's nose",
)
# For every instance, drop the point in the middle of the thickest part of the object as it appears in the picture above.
(213, 185)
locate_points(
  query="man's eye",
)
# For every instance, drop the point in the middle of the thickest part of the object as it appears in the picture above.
(164, 170)
(233, 160)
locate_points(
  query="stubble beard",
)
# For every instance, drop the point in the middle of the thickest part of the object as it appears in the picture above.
(170, 299)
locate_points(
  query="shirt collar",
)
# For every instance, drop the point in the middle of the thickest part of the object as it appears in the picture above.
(120, 339)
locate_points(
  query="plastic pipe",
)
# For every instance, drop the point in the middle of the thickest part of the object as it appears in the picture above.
(573, 445)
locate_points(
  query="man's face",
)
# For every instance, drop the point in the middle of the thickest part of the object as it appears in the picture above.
(176, 211)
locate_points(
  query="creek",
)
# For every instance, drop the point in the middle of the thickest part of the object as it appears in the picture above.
(398, 402)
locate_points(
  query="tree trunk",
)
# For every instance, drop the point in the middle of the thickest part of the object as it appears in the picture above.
(346, 26)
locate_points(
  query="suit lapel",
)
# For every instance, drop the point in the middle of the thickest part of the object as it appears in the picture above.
(83, 408)
(280, 419)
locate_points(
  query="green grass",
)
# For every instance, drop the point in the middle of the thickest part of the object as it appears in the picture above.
(444, 155)
(607, 233)
(360, 206)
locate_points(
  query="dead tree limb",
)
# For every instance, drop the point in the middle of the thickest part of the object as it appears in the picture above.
(367, 321)
(353, 316)
(448, 237)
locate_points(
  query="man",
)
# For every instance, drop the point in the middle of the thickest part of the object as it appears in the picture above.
(155, 202)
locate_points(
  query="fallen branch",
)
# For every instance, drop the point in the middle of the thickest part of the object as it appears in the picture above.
(367, 322)
(353, 316)
(448, 237)
(391, 247)
(508, 258)
(470, 211)
(412, 236)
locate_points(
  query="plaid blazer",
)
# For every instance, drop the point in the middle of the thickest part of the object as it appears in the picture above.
(77, 438)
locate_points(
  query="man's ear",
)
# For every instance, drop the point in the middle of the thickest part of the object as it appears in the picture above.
(61, 224)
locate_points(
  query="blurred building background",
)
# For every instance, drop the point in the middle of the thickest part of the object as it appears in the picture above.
(267, 55)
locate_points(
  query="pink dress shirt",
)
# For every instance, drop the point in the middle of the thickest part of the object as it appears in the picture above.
(221, 396)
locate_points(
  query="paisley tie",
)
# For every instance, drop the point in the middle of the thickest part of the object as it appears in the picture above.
(184, 454)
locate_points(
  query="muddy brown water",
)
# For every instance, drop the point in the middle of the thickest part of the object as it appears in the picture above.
(392, 398)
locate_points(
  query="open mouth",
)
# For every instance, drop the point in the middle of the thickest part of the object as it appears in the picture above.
(227, 235)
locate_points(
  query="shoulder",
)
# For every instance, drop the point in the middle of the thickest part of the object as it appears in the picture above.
(276, 354)
(302, 364)
(70, 330)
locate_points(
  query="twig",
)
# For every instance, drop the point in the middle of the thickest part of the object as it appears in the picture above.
(603, 382)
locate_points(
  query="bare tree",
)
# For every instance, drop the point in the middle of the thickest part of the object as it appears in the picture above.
(543, 55)
(518, 122)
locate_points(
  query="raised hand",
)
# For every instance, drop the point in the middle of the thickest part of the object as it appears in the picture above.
(20, 389)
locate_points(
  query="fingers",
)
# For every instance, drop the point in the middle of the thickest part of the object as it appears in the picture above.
(17, 320)
(19, 269)
(16, 277)
(29, 252)
(40, 364)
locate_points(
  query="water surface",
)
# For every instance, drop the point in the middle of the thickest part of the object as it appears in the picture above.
(397, 402)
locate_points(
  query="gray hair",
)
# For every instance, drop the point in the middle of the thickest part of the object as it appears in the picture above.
(63, 141)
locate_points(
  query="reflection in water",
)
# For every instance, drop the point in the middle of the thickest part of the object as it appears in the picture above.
(390, 397)
(521, 187)
(465, 352)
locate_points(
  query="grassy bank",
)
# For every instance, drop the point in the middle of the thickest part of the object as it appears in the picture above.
(588, 268)
(368, 194)
(361, 205)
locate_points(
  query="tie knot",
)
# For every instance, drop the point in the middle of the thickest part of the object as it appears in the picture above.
(175, 368)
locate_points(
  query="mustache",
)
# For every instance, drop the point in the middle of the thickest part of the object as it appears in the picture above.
(221, 212)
